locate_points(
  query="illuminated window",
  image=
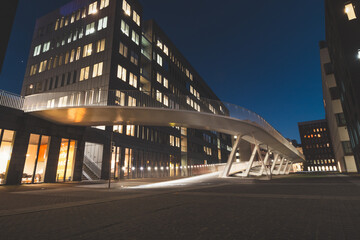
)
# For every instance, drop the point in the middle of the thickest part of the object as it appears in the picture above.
(120, 98)
(78, 52)
(102, 23)
(135, 37)
(87, 50)
(57, 24)
(118, 128)
(159, 44)
(100, 45)
(6, 146)
(33, 69)
(166, 50)
(72, 55)
(126, 7)
(134, 58)
(93, 8)
(98, 69)
(42, 66)
(136, 18)
(125, 28)
(131, 102)
(172, 141)
(123, 50)
(133, 80)
(37, 50)
(350, 11)
(166, 100)
(104, 4)
(130, 130)
(90, 28)
(158, 96)
(159, 78)
(159, 60)
(67, 55)
(81, 33)
(36, 159)
(83, 15)
(84, 73)
(166, 83)
(66, 161)
(46, 47)
(121, 73)
(72, 18)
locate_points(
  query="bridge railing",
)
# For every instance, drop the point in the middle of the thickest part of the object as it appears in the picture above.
(11, 100)
(154, 99)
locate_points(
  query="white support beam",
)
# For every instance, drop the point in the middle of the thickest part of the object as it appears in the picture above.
(226, 171)
(263, 165)
(251, 161)
(289, 169)
(281, 163)
(285, 168)
(276, 158)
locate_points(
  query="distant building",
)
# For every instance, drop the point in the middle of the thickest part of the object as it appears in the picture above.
(342, 72)
(7, 13)
(335, 115)
(317, 147)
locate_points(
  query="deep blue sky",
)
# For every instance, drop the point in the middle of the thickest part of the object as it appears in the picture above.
(261, 55)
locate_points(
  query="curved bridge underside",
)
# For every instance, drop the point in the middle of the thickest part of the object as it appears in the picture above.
(117, 115)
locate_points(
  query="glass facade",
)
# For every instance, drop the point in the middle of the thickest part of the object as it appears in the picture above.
(6, 146)
(115, 162)
(36, 159)
(66, 161)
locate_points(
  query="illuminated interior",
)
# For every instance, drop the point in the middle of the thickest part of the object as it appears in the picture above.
(66, 162)
(6, 146)
(36, 159)
(350, 11)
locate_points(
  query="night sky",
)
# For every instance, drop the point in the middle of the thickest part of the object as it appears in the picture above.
(261, 55)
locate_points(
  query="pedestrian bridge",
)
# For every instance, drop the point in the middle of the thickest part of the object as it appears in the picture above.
(274, 153)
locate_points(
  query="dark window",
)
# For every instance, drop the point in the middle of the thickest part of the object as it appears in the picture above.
(334, 92)
(56, 82)
(340, 118)
(63, 80)
(74, 76)
(347, 148)
(51, 83)
(68, 78)
(328, 68)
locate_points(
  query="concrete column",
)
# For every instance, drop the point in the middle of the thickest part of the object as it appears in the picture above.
(53, 159)
(79, 160)
(18, 157)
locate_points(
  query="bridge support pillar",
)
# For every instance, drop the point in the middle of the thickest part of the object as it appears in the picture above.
(285, 168)
(276, 158)
(226, 171)
(263, 166)
(289, 169)
(281, 163)
(251, 161)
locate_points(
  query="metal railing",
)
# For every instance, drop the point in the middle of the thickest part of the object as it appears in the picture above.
(11, 100)
(124, 98)
(92, 166)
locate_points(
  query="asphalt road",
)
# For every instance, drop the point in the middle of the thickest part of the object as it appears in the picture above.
(292, 207)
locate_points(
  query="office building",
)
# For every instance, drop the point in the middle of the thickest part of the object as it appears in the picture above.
(317, 147)
(102, 52)
(338, 128)
(342, 26)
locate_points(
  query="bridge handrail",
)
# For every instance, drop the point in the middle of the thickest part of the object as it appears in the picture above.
(11, 100)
